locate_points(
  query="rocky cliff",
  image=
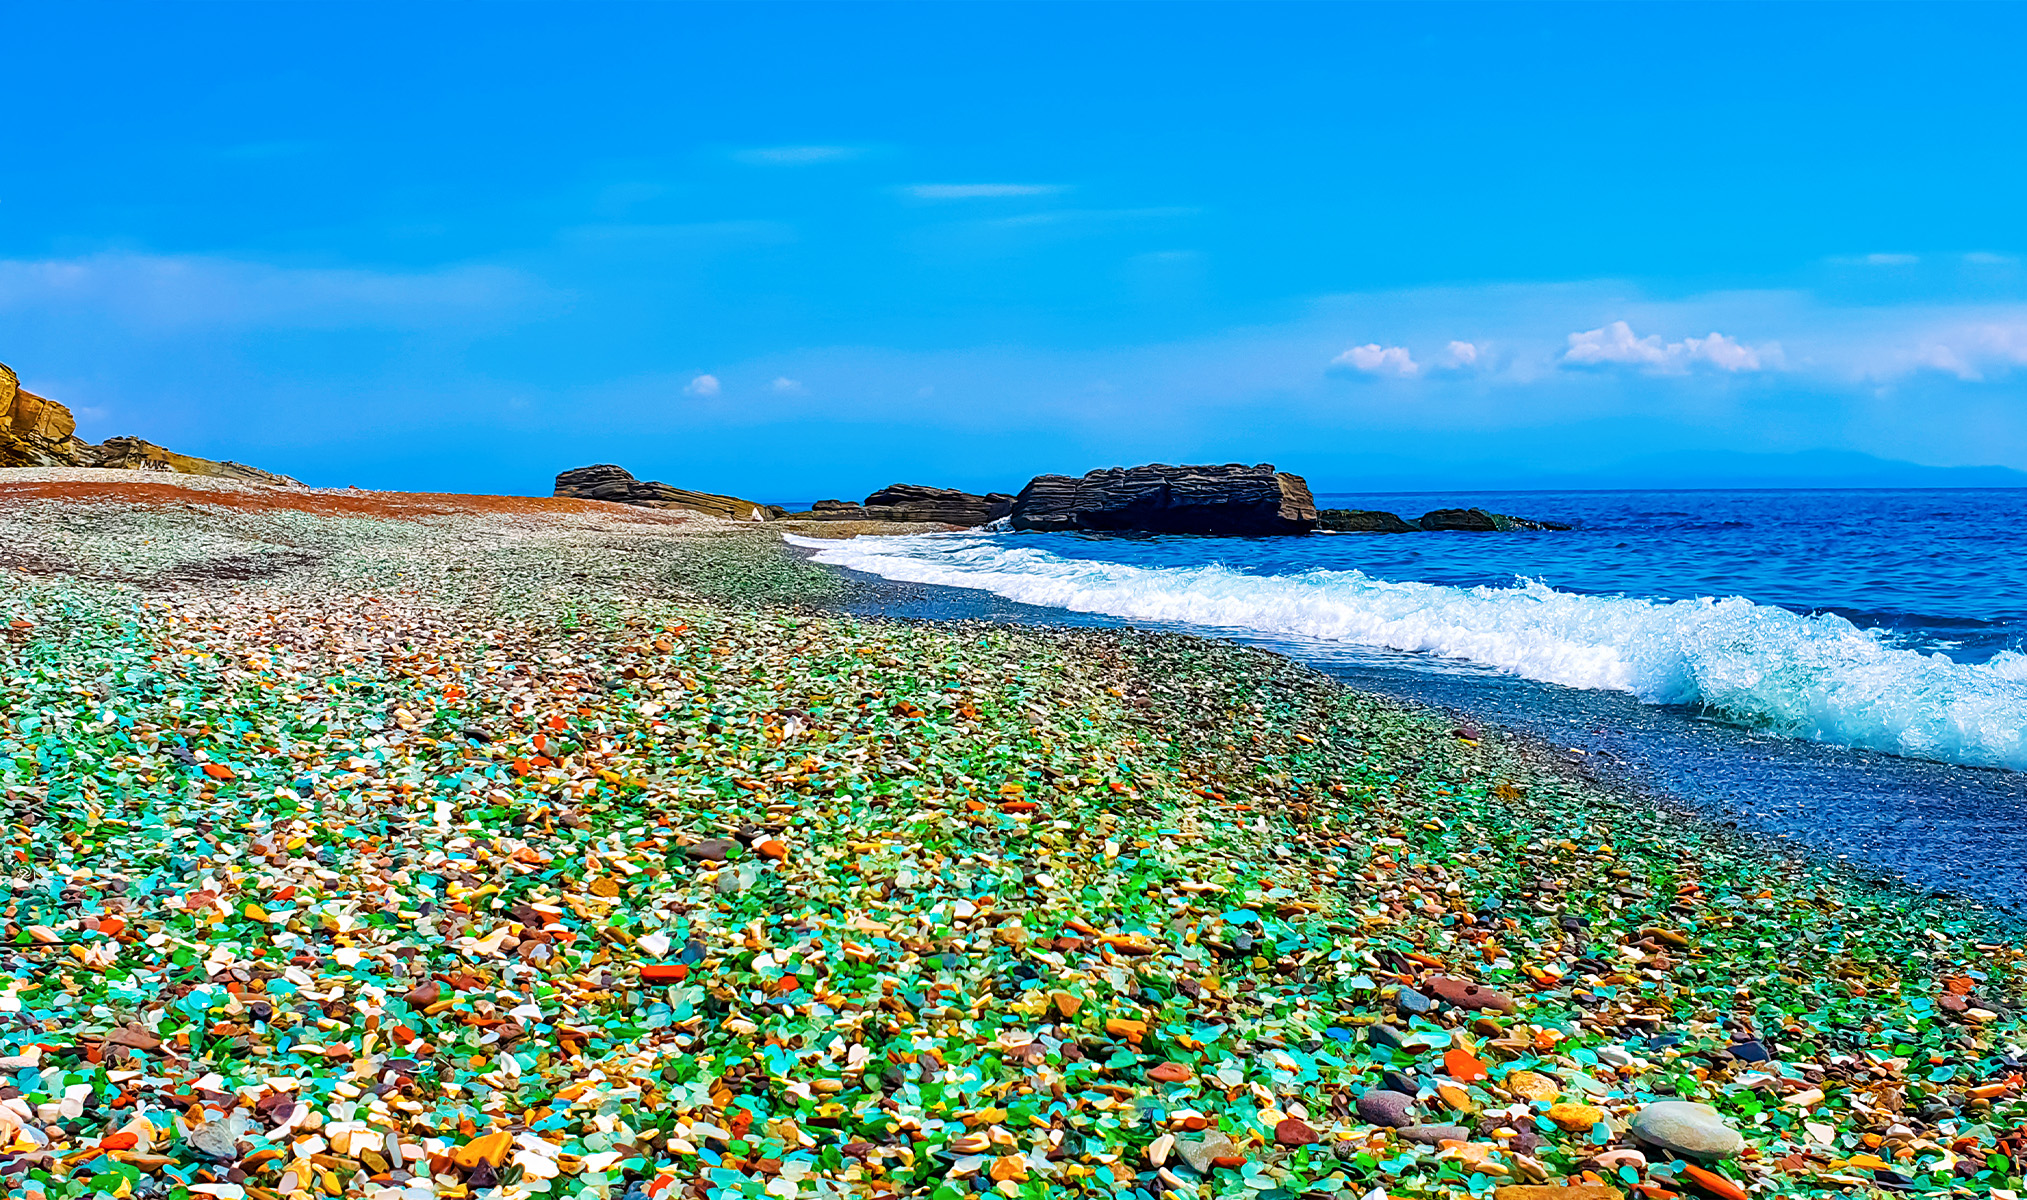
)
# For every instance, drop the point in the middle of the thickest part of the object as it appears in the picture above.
(914, 502)
(38, 432)
(608, 482)
(1233, 500)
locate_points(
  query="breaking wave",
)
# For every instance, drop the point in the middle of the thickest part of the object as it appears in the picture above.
(1809, 676)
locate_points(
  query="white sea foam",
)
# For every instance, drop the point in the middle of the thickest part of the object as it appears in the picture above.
(1816, 676)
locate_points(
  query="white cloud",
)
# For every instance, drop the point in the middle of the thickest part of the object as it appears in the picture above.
(1891, 260)
(1459, 355)
(979, 191)
(785, 386)
(1375, 359)
(1973, 352)
(795, 156)
(1616, 345)
(1985, 258)
(702, 385)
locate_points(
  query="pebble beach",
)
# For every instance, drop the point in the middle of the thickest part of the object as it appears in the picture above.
(402, 846)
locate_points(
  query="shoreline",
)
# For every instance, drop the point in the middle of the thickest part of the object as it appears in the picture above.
(878, 595)
(804, 895)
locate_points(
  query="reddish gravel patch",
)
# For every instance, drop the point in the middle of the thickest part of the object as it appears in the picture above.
(400, 505)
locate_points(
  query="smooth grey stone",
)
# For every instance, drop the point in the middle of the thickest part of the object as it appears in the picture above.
(1198, 1154)
(1687, 1128)
(1382, 1107)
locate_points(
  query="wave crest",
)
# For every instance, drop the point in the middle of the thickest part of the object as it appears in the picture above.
(1816, 676)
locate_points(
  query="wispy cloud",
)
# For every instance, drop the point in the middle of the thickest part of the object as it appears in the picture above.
(795, 156)
(980, 191)
(694, 233)
(784, 386)
(1616, 345)
(172, 292)
(1090, 216)
(702, 385)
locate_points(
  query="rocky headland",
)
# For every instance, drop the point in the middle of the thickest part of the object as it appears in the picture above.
(36, 431)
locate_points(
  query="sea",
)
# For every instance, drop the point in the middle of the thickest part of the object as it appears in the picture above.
(1844, 670)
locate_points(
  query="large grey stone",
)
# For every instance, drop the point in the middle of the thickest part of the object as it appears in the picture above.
(1687, 1128)
(1199, 1153)
(214, 1140)
(1382, 1107)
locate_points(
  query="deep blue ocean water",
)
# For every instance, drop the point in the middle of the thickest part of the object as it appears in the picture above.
(1848, 668)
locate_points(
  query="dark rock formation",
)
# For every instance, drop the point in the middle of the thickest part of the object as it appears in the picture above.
(1232, 500)
(39, 432)
(913, 502)
(608, 482)
(1477, 520)
(1361, 520)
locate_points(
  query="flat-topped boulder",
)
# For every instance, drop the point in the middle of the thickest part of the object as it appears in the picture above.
(914, 502)
(1233, 500)
(605, 481)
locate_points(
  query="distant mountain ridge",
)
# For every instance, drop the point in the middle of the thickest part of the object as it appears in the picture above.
(1686, 470)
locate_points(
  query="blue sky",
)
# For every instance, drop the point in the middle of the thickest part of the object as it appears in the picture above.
(792, 252)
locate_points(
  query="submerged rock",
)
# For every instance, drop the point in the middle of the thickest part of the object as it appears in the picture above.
(1361, 520)
(1477, 520)
(1231, 500)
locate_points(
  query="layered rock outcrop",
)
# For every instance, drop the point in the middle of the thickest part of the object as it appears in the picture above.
(1233, 500)
(38, 432)
(914, 502)
(605, 481)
